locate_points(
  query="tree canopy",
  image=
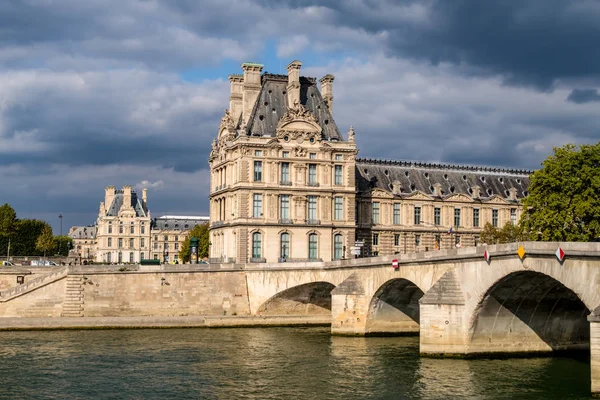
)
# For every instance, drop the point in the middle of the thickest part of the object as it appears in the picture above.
(8, 220)
(45, 241)
(509, 233)
(201, 232)
(563, 202)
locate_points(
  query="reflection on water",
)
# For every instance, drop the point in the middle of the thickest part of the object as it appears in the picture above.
(270, 363)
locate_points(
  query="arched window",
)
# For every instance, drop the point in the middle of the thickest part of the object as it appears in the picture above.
(313, 252)
(256, 245)
(338, 249)
(285, 245)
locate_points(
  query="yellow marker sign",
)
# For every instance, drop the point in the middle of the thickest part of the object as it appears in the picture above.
(521, 252)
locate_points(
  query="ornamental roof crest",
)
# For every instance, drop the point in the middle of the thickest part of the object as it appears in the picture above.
(298, 113)
(227, 122)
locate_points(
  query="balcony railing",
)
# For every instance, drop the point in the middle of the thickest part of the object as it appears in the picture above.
(313, 221)
(298, 260)
(285, 183)
(221, 260)
(258, 260)
(314, 184)
(286, 221)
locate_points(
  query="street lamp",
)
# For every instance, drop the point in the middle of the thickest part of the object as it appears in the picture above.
(60, 237)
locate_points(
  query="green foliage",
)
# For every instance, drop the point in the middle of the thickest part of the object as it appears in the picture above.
(563, 202)
(61, 245)
(8, 220)
(508, 234)
(201, 232)
(45, 242)
(23, 241)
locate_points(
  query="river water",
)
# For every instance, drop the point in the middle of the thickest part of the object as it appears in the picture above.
(264, 363)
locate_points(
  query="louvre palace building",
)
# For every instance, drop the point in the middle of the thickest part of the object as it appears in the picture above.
(287, 186)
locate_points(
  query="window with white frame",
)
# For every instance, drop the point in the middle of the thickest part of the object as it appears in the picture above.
(312, 246)
(396, 213)
(312, 207)
(376, 212)
(338, 247)
(284, 206)
(257, 205)
(338, 208)
(256, 245)
(337, 179)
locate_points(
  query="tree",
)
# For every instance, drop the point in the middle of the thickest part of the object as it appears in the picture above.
(45, 242)
(490, 234)
(62, 245)
(200, 232)
(8, 225)
(563, 202)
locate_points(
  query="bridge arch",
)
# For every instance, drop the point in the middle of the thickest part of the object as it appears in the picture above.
(394, 308)
(529, 311)
(309, 298)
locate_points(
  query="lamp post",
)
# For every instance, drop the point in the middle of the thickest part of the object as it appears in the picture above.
(60, 237)
(194, 250)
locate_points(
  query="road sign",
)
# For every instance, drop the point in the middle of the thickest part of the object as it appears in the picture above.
(395, 264)
(355, 252)
(359, 244)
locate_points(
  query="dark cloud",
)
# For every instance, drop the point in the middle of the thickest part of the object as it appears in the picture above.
(581, 96)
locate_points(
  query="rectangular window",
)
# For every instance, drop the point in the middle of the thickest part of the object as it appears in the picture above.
(396, 239)
(513, 216)
(284, 206)
(476, 217)
(120, 228)
(417, 240)
(142, 257)
(257, 171)
(376, 212)
(131, 230)
(338, 175)
(495, 218)
(396, 213)
(258, 153)
(338, 208)
(109, 257)
(417, 215)
(312, 156)
(155, 245)
(437, 216)
(166, 238)
(285, 154)
(156, 256)
(457, 217)
(312, 246)
(257, 206)
(142, 243)
(285, 172)
(376, 239)
(131, 257)
(143, 229)
(109, 242)
(312, 174)
(131, 243)
(120, 243)
(176, 246)
(338, 157)
(109, 228)
(312, 207)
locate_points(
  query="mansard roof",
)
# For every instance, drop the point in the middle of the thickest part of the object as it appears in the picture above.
(113, 210)
(272, 105)
(454, 179)
(83, 232)
(176, 223)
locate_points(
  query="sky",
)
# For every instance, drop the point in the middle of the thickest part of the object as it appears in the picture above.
(131, 92)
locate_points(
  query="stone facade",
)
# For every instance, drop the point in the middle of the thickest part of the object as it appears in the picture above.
(168, 233)
(282, 176)
(84, 241)
(286, 185)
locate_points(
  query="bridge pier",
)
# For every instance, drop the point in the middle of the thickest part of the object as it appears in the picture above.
(349, 308)
(444, 329)
(594, 320)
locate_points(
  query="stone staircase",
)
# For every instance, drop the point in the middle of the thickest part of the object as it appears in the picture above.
(34, 284)
(73, 304)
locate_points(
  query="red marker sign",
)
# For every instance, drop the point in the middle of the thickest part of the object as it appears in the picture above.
(560, 254)
(395, 264)
(487, 256)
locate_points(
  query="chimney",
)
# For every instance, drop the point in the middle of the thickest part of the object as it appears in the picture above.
(236, 96)
(293, 87)
(126, 197)
(327, 90)
(476, 192)
(144, 196)
(512, 193)
(396, 187)
(250, 87)
(437, 190)
(109, 196)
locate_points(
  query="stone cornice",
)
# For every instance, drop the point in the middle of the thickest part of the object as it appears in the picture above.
(441, 166)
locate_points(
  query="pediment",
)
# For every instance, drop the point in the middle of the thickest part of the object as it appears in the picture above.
(418, 195)
(299, 125)
(381, 193)
(298, 118)
(459, 197)
(495, 199)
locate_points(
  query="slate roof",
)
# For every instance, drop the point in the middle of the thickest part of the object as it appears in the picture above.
(272, 105)
(83, 232)
(421, 176)
(175, 224)
(113, 210)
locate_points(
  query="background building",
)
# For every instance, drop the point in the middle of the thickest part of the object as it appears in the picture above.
(286, 185)
(84, 241)
(168, 233)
